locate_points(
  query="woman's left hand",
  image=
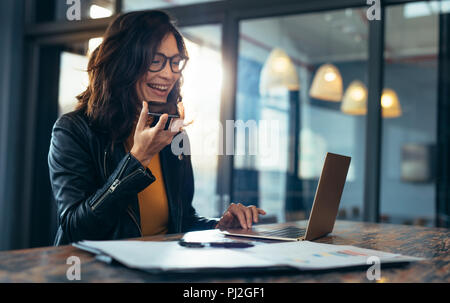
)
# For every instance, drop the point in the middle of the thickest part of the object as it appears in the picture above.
(240, 216)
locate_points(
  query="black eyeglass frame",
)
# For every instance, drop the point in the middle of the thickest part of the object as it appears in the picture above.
(163, 65)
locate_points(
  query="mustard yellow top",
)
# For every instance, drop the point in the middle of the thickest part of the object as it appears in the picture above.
(153, 203)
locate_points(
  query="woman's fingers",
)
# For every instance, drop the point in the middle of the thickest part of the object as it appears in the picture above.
(238, 213)
(142, 117)
(241, 215)
(255, 213)
(162, 122)
(245, 215)
(252, 213)
(248, 215)
(227, 218)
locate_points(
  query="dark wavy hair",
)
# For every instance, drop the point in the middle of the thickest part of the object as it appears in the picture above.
(110, 101)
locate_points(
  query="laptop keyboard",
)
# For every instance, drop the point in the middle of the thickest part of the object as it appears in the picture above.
(286, 232)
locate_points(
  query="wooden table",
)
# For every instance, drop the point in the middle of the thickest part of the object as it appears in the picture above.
(48, 264)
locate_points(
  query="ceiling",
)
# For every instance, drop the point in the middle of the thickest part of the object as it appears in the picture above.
(411, 32)
(334, 36)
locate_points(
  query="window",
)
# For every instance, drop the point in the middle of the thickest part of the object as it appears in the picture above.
(283, 178)
(408, 190)
(73, 78)
(201, 92)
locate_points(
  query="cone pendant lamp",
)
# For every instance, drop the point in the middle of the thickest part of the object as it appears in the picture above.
(327, 84)
(278, 72)
(355, 99)
(390, 105)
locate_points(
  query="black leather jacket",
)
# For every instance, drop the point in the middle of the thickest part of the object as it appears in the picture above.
(96, 189)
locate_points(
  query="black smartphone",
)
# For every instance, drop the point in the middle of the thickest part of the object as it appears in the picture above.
(157, 109)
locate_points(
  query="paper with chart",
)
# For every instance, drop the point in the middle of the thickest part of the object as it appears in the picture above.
(311, 255)
(169, 256)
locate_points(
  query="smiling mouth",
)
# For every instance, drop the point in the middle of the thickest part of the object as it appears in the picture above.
(159, 87)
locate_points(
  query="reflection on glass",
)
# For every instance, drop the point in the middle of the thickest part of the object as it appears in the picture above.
(409, 133)
(93, 44)
(84, 9)
(278, 72)
(135, 5)
(284, 183)
(201, 91)
(96, 12)
(73, 77)
(73, 80)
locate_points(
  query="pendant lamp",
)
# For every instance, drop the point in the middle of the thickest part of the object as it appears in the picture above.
(327, 84)
(390, 105)
(355, 99)
(278, 72)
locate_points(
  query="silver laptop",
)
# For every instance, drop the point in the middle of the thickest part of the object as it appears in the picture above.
(323, 213)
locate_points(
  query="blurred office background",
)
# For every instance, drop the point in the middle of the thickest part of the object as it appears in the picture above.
(333, 80)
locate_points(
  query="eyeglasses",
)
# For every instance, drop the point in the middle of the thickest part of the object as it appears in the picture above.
(177, 63)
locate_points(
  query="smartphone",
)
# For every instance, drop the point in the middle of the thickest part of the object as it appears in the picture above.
(157, 109)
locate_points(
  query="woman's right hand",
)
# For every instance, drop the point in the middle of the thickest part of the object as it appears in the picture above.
(149, 141)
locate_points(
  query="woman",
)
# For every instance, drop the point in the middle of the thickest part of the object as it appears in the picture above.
(113, 176)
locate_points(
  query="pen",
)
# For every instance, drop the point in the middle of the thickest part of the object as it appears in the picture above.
(215, 244)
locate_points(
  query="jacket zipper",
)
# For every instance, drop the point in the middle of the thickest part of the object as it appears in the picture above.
(110, 190)
(116, 183)
(130, 212)
(104, 164)
(123, 168)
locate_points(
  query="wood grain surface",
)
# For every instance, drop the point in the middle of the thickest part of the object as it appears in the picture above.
(48, 264)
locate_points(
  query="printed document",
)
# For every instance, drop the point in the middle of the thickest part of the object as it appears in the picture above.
(304, 255)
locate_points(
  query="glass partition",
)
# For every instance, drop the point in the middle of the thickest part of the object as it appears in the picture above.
(201, 90)
(409, 102)
(294, 73)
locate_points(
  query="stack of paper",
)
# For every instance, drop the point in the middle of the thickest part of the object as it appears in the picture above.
(169, 256)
